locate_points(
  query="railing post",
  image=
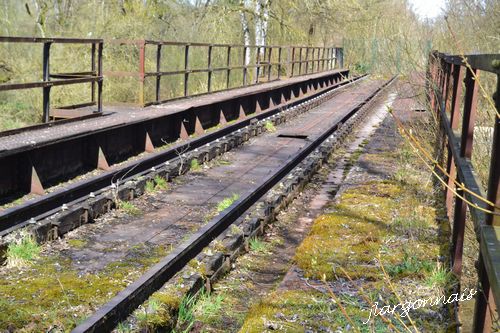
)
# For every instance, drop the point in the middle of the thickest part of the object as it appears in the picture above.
(300, 60)
(186, 73)
(327, 58)
(269, 68)
(292, 65)
(307, 59)
(319, 57)
(339, 57)
(458, 75)
(245, 69)
(46, 78)
(228, 64)
(257, 69)
(100, 74)
(323, 59)
(279, 62)
(312, 59)
(467, 137)
(209, 73)
(158, 70)
(142, 54)
(92, 68)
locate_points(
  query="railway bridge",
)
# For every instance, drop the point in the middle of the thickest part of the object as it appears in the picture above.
(226, 172)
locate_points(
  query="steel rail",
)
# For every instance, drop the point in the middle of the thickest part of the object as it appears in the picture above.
(49, 204)
(124, 303)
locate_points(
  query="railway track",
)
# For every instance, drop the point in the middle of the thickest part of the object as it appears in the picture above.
(319, 136)
(54, 214)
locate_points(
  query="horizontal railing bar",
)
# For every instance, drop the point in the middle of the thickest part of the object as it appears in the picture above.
(483, 62)
(310, 60)
(5, 39)
(42, 84)
(120, 74)
(72, 75)
(204, 70)
(172, 43)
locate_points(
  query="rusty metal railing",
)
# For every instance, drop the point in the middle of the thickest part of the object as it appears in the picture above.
(49, 80)
(314, 58)
(243, 65)
(446, 96)
(268, 63)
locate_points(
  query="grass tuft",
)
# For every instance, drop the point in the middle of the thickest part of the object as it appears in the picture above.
(150, 187)
(270, 126)
(439, 277)
(195, 165)
(128, 208)
(22, 251)
(161, 183)
(226, 202)
(208, 306)
(257, 245)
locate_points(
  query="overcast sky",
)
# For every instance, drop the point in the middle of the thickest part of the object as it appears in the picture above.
(428, 8)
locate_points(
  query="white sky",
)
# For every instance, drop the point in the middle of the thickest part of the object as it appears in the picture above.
(427, 8)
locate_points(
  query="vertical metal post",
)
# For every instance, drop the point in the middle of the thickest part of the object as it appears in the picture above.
(186, 73)
(307, 59)
(300, 60)
(328, 58)
(245, 69)
(257, 70)
(46, 78)
(264, 68)
(319, 57)
(339, 57)
(292, 65)
(99, 73)
(279, 61)
(469, 116)
(323, 59)
(228, 65)
(92, 68)
(142, 55)
(158, 70)
(458, 75)
(312, 59)
(269, 68)
(333, 57)
(209, 73)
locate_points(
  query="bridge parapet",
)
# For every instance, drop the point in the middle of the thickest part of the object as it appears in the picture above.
(464, 192)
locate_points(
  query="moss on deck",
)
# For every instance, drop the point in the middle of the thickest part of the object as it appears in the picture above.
(376, 219)
(51, 295)
(392, 222)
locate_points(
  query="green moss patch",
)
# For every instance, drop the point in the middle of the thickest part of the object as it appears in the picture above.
(376, 219)
(50, 293)
(301, 311)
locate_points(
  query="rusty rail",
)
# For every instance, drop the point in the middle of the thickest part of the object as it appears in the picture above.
(446, 96)
(322, 59)
(93, 76)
